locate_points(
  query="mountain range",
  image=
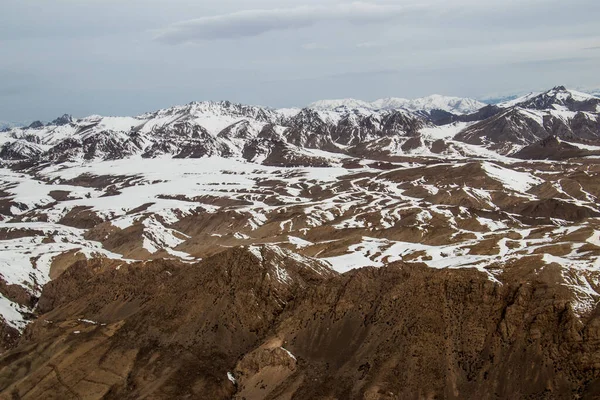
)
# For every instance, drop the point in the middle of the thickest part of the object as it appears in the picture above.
(281, 137)
(455, 105)
(435, 248)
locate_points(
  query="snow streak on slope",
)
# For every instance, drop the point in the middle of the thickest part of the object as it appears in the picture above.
(518, 100)
(16, 255)
(511, 179)
(12, 313)
(444, 214)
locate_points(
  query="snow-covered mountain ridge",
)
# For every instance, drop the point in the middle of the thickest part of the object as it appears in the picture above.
(455, 105)
(291, 136)
(557, 98)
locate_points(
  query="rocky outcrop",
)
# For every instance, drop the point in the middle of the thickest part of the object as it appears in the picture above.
(65, 119)
(512, 126)
(441, 117)
(263, 323)
(552, 148)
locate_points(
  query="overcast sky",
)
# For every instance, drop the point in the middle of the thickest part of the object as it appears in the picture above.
(125, 57)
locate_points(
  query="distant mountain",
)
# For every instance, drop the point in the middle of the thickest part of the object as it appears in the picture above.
(10, 124)
(454, 105)
(499, 99)
(337, 103)
(525, 120)
(558, 98)
(7, 125)
(204, 129)
(594, 91)
(386, 127)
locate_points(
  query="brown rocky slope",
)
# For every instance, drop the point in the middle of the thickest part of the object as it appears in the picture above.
(286, 327)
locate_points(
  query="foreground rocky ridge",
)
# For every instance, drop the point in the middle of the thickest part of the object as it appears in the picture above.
(263, 323)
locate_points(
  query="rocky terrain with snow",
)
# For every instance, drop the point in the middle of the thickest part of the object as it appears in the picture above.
(438, 248)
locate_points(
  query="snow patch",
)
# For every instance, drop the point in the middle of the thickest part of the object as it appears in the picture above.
(511, 179)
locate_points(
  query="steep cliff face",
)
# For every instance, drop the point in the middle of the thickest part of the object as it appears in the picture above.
(265, 323)
(405, 332)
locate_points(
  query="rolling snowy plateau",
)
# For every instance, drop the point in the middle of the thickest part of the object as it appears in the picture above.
(346, 183)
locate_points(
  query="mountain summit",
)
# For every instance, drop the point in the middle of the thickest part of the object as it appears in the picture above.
(557, 98)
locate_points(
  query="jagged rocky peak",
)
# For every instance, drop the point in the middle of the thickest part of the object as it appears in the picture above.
(224, 128)
(36, 125)
(214, 108)
(65, 119)
(228, 108)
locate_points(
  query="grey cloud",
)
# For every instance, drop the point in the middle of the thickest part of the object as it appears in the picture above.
(255, 22)
(554, 61)
(314, 46)
(95, 57)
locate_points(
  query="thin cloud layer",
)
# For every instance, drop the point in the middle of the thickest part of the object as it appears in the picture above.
(250, 23)
(109, 57)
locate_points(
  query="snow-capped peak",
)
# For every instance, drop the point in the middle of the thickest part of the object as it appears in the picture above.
(337, 103)
(455, 105)
(518, 100)
(555, 98)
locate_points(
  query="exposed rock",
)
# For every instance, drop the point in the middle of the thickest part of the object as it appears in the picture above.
(36, 125)
(551, 148)
(181, 330)
(65, 119)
